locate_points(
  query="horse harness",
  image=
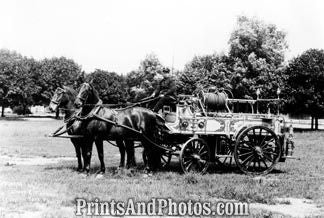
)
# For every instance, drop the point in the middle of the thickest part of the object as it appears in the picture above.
(94, 114)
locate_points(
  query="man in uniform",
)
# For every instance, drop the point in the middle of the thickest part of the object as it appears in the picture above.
(166, 88)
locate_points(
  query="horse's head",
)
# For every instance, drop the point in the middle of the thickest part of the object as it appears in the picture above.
(83, 95)
(58, 99)
(87, 95)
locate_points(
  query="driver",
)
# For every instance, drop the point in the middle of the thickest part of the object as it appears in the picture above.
(166, 88)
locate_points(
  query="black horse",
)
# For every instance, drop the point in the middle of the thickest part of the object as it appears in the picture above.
(124, 124)
(64, 98)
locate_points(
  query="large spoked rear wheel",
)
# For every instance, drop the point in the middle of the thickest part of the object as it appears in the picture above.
(257, 150)
(195, 156)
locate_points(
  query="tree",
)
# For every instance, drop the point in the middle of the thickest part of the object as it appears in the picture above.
(24, 84)
(8, 62)
(257, 54)
(17, 84)
(56, 72)
(142, 82)
(110, 86)
(305, 84)
(203, 72)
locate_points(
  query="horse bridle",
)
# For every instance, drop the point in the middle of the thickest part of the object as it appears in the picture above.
(61, 91)
(84, 99)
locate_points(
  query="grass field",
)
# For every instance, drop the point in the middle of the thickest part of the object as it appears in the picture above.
(48, 186)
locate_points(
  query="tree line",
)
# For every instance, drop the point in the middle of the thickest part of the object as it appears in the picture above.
(255, 61)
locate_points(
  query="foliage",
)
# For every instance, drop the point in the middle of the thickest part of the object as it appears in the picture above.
(110, 86)
(57, 72)
(205, 71)
(8, 63)
(24, 84)
(20, 110)
(304, 83)
(25, 81)
(17, 81)
(257, 53)
(142, 82)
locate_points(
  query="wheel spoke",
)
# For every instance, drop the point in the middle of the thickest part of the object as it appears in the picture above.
(247, 153)
(268, 148)
(202, 147)
(190, 160)
(265, 164)
(263, 145)
(248, 164)
(246, 148)
(267, 133)
(271, 153)
(231, 159)
(205, 152)
(267, 157)
(246, 159)
(189, 166)
(195, 145)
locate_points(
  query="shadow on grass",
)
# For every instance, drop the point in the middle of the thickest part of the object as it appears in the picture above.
(174, 167)
(218, 169)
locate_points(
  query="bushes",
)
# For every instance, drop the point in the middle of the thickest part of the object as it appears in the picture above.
(20, 110)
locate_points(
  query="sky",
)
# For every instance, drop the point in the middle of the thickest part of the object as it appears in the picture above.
(115, 35)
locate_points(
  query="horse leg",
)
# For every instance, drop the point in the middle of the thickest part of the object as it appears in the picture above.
(149, 165)
(99, 145)
(77, 148)
(121, 147)
(153, 155)
(130, 153)
(87, 154)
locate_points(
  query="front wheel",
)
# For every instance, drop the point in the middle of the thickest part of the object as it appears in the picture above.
(165, 159)
(257, 150)
(195, 156)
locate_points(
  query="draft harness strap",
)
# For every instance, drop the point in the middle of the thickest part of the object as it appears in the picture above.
(131, 129)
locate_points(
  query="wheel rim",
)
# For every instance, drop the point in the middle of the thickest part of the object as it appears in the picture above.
(257, 150)
(195, 156)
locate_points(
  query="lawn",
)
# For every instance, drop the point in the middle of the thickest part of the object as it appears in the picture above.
(49, 189)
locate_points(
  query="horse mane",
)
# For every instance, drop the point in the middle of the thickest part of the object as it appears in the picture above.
(70, 91)
(95, 92)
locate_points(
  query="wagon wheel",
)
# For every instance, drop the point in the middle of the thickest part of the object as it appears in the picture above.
(195, 156)
(165, 158)
(224, 147)
(257, 150)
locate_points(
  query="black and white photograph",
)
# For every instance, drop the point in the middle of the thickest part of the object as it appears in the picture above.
(161, 108)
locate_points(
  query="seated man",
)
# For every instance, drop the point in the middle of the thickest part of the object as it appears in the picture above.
(166, 87)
